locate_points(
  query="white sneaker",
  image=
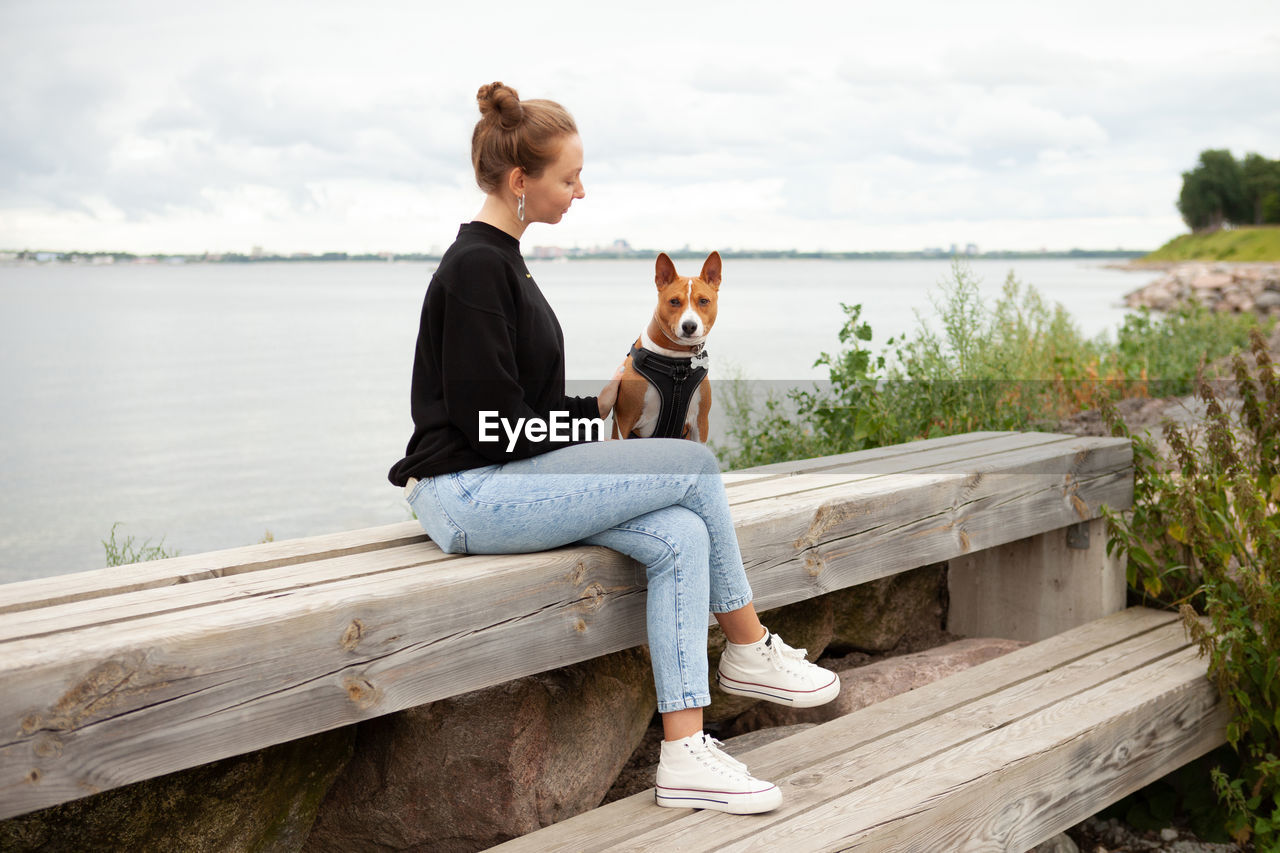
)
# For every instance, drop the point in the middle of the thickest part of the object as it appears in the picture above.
(694, 774)
(772, 670)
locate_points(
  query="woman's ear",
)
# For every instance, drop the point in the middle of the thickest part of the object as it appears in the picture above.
(516, 181)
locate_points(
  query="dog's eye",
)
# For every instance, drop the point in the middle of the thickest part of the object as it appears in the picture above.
(704, 301)
(675, 301)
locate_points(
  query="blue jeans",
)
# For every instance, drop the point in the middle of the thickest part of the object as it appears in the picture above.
(658, 500)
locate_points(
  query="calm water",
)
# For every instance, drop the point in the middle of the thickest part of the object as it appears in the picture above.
(210, 404)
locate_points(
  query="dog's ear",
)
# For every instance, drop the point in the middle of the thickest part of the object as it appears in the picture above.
(665, 272)
(711, 270)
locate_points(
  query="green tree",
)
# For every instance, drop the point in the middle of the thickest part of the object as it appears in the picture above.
(1261, 184)
(1213, 192)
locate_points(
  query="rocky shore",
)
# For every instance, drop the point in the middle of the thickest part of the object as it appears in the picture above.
(1220, 286)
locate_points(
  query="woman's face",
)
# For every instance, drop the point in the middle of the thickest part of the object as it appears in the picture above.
(548, 196)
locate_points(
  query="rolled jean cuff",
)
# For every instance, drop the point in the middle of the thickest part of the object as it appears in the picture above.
(698, 700)
(732, 604)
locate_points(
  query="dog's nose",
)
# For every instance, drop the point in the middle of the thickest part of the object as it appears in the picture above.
(689, 327)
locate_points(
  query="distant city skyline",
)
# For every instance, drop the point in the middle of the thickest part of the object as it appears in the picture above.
(620, 249)
(145, 127)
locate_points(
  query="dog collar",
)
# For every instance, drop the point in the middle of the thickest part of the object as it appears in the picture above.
(652, 346)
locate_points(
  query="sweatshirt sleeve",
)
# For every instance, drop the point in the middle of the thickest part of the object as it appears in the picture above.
(481, 376)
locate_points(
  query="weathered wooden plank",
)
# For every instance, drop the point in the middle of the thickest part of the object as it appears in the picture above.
(893, 451)
(237, 588)
(44, 592)
(1027, 801)
(88, 711)
(888, 736)
(969, 454)
(990, 792)
(870, 529)
(816, 775)
(236, 585)
(951, 486)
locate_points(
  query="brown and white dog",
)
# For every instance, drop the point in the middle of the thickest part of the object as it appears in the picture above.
(670, 352)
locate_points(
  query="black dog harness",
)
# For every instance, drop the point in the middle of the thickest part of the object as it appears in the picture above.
(675, 380)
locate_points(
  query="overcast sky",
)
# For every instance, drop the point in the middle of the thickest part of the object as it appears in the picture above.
(310, 126)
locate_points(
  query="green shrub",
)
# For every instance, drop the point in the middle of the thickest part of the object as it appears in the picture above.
(1020, 364)
(848, 414)
(1205, 535)
(1165, 350)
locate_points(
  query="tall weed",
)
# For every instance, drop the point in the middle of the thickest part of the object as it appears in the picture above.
(121, 552)
(1205, 534)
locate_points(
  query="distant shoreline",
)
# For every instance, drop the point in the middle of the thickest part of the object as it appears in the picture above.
(108, 258)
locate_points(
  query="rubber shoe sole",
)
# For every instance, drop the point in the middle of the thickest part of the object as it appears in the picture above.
(731, 802)
(794, 698)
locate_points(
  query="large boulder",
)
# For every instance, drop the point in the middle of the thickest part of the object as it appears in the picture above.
(906, 611)
(477, 769)
(261, 801)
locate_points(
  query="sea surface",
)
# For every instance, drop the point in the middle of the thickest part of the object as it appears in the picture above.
(207, 406)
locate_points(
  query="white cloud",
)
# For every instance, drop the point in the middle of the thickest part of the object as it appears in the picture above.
(318, 126)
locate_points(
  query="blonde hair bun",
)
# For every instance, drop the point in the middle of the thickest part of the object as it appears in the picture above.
(500, 103)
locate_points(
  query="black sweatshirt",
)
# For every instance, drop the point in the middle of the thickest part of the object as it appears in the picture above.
(487, 341)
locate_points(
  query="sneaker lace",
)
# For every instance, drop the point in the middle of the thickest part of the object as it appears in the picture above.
(781, 649)
(713, 747)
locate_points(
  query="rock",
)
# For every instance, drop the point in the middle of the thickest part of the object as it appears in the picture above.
(262, 801)
(1236, 300)
(1160, 293)
(1211, 281)
(1058, 844)
(904, 609)
(1222, 287)
(474, 770)
(1267, 300)
(638, 773)
(861, 686)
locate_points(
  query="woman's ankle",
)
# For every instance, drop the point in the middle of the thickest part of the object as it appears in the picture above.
(742, 626)
(678, 725)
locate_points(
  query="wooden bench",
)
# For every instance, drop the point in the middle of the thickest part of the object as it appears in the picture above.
(119, 675)
(999, 757)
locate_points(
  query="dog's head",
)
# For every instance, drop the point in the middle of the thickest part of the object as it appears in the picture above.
(687, 306)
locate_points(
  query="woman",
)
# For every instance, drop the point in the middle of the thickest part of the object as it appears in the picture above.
(490, 351)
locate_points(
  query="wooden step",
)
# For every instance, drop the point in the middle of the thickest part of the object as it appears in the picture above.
(998, 757)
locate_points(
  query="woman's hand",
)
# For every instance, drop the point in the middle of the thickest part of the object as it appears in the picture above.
(609, 393)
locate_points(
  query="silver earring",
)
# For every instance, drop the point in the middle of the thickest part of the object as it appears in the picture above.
(520, 209)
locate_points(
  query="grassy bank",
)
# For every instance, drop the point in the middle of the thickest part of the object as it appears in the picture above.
(1260, 243)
